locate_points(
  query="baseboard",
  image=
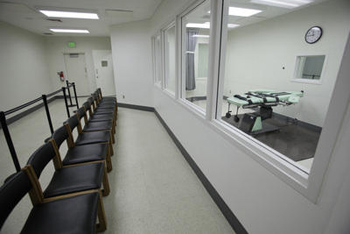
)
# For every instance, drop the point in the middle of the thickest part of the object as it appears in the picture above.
(136, 107)
(226, 211)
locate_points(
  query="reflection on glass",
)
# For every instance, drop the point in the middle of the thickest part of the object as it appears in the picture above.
(157, 60)
(309, 67)
(196, 31)
(258, 94)
(170, 63)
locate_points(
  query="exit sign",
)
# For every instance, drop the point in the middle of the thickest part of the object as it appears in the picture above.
(71, 44)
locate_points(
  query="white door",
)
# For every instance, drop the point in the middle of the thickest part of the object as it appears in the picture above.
(104, 71)
(76, 72)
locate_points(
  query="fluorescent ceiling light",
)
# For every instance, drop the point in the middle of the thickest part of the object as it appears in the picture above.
(201, 36)
(244, 12)
(206, 25)
(283, 3)
(232, 25)
(196, 25)
(67, 14)
(58, 30)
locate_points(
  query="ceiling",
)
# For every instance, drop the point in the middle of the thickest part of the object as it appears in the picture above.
(202, 15)
(25, 14)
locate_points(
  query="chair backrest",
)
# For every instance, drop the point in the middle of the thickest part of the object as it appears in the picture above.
(60, 135)
(12, 192)
(88, 109)
(73, 122)
(41, 157)
(90, 100)
(81, 112)
(96, 97)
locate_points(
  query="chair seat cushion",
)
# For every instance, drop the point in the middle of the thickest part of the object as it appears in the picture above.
(99, 118)
(86, 153)
(93, 137)
(98, 126)
(106, 105)
(104, 112)
(75, 179)
(76, 215)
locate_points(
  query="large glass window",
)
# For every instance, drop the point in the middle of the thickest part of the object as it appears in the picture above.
(195, 44)
(258, 93)
(170, 59)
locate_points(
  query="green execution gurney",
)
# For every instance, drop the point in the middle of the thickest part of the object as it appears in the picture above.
(263, 100)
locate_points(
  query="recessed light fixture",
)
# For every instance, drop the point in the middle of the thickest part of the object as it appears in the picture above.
(283, 3)
(244, 12)
(59, 30)
(69, 14)
(201, 36)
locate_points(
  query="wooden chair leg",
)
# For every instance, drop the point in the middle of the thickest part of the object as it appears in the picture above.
(109, 162)
(101, 214)
(106, 189)
(111, 149)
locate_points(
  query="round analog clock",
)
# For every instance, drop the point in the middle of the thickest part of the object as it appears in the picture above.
(313, 34)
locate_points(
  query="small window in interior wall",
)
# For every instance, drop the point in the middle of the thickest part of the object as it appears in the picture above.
(104, 63)
(309, 67)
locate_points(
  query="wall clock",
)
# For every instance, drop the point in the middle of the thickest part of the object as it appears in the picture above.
(313, 34)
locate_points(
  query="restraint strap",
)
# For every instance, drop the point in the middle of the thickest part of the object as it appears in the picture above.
(243, 98)
(258, 96)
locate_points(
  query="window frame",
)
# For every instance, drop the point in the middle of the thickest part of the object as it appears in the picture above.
(164, 68)
(157, 82)
(202, 113)
(308, 184)
(309, 81)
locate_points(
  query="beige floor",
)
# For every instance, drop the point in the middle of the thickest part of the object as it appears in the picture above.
(153, 188)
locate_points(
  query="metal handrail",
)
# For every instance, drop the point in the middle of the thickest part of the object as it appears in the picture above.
(20, 107)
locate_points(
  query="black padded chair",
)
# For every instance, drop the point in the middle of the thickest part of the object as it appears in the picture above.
(105, 107)
(104, 100)
(76, 213)
(97, 118)
(81, 153)
(95, 126)
(68, 179)
(85, 138)
(107, 99)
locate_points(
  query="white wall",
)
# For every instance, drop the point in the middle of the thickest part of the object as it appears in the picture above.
(57, 46)
(262, 202)
(132, 62)
(23, 65)
(256, 55)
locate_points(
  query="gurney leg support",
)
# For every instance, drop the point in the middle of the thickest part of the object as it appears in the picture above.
(228, 114)
(257, 124)
(236, 118)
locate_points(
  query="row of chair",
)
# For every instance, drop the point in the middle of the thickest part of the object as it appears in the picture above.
(72, 201)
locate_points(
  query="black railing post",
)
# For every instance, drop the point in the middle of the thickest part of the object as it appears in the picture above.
(65, 100)
(75, 95)
(70, 97)
(9, 141)
(47, 112)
